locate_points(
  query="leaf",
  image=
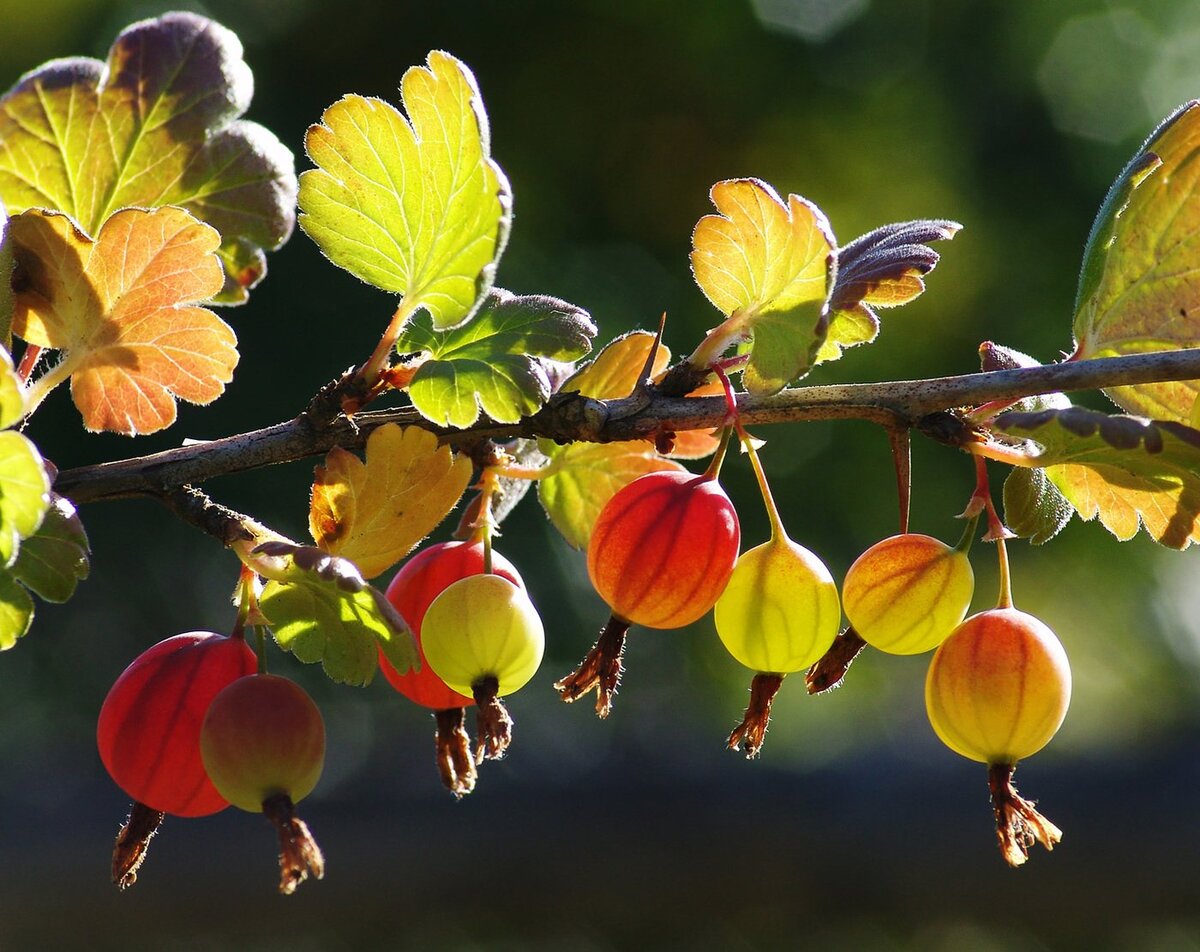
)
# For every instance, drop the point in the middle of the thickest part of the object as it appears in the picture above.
(1033, 507)
(848, 327)
(320, 609)
(24, 493)
(12, 395)
(157, 124)
(54, 559)
(373, 513)
(415, 206)
(769, 267)
(122, 307)
(491, 362)
(1139, 290)
(1125, 470)
(616, 370)
(6, 291)
(883, 268)
(586, 475)
(16, 611)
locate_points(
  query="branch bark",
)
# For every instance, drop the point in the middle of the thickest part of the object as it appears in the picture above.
(570, 417)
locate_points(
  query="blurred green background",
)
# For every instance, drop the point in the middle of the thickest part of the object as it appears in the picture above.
(856, 829)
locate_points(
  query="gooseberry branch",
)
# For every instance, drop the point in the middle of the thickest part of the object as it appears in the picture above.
(569, 417)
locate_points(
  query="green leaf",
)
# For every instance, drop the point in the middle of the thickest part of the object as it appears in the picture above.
(12, 395)
(16, 611)
(320, 609)
(416, 205)
(1137, 291)
(24, 493)
(494, 362)
(848, 327)
(6, 291)
(54, 559)
(584, 476)
(157, 124)
(785, 346)
(1126, 471)
(1033, 507)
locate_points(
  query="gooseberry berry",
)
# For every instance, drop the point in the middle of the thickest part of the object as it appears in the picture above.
(905, 594)
(263, 745)
(997, 691)
(482, 635)
(660, 554)
(148, 734)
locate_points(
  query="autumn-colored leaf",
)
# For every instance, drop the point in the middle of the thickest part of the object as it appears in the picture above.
(6, 292)
(416, 205)
(1139, 290)
(616, 370)
(768, 266)
(494, 362)
(373, 513)
(122, 308)
(1126, 471)
(157, 124)
(584, 476)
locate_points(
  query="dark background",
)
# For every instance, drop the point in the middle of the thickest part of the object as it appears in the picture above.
(856, 829)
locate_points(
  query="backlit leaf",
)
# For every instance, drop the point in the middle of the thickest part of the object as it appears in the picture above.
(491, 363)
(16, 611)
(586, 475)
(416, 205)
(24, 493)
(373, 513)
(616, 370)
(6, 292)
(54, 559)
(1127, 471)
(157, 124)
(122, 307)
(1033, 506)
(12, 395)
(321, 609)
(768, 266)
(1139, 290)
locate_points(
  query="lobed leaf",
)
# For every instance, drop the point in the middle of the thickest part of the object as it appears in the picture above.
(123, 308)
(1139, 289)
(373, 513)
(493, 362)
(53, 560)
(768, 266)
(584, 476)
(416, 205)
(157, 124)
(321, 609)
(1126, 471)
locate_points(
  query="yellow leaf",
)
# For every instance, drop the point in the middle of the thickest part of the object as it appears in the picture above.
(122, 308)
(373, 513)
(760, 253)
(615, 370)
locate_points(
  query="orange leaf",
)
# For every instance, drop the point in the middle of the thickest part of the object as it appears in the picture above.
(373, 513)
(122, 308)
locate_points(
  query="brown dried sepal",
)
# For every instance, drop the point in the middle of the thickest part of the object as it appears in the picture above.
(299, 854)
(831, 668)
(133, 839)
(753, 729)
(1018, 824)
(600, 670)
(454, 760)
(494, 725)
